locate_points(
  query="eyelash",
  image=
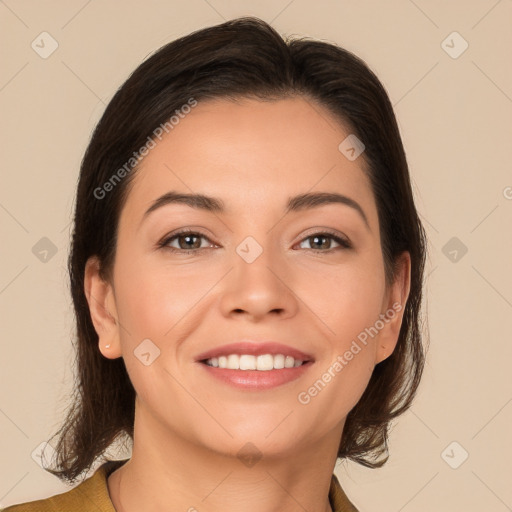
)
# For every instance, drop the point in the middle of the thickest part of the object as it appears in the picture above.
(164, 244)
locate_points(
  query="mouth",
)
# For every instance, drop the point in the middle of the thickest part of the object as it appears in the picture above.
(256, 366)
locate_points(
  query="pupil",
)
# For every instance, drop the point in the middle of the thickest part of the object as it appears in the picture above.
(316, 238)
(187, 239)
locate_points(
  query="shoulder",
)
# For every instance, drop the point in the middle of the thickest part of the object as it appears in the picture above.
(338, 499)
(89, 496)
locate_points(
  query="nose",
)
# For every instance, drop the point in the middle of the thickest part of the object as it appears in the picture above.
(259, 289)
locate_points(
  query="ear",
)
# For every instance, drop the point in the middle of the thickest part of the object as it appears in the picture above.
(102, 306)
(393, 308)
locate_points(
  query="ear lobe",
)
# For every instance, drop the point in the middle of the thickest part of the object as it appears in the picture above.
(102, 307)
(394, 308)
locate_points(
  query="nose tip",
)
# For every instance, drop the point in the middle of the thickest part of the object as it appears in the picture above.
(256, 290)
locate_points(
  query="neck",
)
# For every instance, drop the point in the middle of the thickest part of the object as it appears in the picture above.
(167, 472)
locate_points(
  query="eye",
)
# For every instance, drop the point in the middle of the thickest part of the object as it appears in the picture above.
(187, 242)
(323, 241)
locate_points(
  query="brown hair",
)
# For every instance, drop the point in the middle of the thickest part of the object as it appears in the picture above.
(244, 57)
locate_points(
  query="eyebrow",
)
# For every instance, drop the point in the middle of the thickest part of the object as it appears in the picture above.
(295, 204)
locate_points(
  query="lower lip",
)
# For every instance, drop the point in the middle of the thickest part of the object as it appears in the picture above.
(257, 379)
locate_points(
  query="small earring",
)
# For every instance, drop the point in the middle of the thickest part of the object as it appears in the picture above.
(107, 346)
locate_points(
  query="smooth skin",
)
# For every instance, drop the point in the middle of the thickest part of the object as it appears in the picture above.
(309, 293)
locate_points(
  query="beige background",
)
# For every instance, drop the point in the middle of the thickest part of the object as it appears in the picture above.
(456, 122)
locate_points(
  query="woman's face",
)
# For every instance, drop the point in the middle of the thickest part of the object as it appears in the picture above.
(255, 271)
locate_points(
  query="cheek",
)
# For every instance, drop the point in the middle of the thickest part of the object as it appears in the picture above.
(338, 383)
(152, 298)
(349, 301)
(349, 298)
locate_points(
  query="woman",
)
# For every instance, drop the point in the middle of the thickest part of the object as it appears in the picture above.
(246, 270)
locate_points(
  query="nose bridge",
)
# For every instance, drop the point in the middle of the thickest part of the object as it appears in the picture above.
(258, 282)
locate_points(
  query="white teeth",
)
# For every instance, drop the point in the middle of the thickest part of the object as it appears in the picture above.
(265, 362)
(279, 361)
(248, 362)
(233, 362)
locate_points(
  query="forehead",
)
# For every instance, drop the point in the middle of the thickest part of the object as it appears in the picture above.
(250, 153)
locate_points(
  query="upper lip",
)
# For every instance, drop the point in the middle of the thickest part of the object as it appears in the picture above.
(256, 349)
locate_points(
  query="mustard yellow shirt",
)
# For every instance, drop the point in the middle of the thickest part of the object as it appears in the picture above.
(92, 496)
